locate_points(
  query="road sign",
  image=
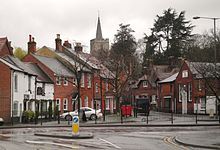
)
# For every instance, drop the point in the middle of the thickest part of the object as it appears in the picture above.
(75, 126)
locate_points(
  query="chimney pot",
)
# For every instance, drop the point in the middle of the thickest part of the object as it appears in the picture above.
(58, 36)
(29, 38)
(31, 45)
(58, 42)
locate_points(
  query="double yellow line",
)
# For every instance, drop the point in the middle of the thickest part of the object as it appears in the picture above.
(170, 141)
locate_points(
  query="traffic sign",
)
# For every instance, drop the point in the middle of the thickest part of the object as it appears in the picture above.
(75, 126)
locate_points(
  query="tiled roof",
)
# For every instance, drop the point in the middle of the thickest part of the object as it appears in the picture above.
(41, 75)
(11, 65)
(199, 68)
(57, 67)
(169, 79)
(15, 61)
(163, 71)
(92, 62)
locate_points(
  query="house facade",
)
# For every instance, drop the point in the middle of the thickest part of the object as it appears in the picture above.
(144, 93)
(188, 91)
(17, 87)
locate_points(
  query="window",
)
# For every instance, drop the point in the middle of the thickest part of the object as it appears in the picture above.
(16, 83)
(58, 103)
(107, 104)
(145, 84)
(65, 81)
(65, 104)
(89, 81)
(199, 85)
(190, 92)
(82, 80)
(180, 93)
(29, 83)
(114, 104)
(96, 87)
(203, 104)
(74, 81)
(58, 80)
(185, 74)
(106, 86)
(15, 108)
(86, 101)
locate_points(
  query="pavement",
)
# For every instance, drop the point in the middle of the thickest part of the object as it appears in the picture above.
(197, 141)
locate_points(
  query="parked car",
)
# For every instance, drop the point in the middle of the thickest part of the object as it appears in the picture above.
(91, 114)
(1, 121)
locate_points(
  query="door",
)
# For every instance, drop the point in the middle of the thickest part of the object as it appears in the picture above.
(184, 101)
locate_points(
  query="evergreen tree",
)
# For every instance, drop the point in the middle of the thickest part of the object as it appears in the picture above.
(169, 36)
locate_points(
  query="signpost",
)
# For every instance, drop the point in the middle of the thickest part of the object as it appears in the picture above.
(75, 126)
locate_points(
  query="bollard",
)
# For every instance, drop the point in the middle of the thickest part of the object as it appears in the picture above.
(75, 126)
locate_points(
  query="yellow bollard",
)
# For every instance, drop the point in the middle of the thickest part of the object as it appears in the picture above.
(75, 126)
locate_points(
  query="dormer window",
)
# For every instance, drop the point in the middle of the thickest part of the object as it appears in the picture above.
(185, 74)
(145, 84)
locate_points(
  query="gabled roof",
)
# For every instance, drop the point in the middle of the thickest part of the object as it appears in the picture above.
(145, 78)
(41, 75)
(169, 79)
(205, 68)
(57, 67)
(90, 60)
(11, 65)
(163, 71)
(21, 65)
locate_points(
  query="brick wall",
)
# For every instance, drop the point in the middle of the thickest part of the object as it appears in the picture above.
(5, 93)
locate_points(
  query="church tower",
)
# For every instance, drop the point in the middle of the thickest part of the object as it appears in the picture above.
(99, 46)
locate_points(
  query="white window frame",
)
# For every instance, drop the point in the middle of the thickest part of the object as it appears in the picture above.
(58, 103)
(179, 90)
(107, 103)
(185, 74)
(86, 101)
(16, 83)
(74, 81)
(145, 84)
(15, 108)
(106, 86)
(96, 87)
(89, 81)
(65, 81)
(58, 80)
(190, 92)
(29, 83)
(65, 104)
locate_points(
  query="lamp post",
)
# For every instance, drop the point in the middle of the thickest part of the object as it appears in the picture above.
(214, 19)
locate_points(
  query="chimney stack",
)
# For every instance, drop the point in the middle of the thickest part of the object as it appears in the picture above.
(31, 45)
(58, 42)
(67, 44)
(78, 47)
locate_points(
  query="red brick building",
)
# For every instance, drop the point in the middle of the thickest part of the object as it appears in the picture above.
(144, 92)
(58, 73)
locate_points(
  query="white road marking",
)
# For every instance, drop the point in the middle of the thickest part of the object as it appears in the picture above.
(51, 143)
(110, 143)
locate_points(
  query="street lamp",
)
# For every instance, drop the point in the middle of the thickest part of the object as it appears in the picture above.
(214, 19)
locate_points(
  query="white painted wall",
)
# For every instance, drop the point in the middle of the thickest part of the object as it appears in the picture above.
(22, 88)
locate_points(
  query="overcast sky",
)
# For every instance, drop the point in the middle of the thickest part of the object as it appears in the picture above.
(76, 20)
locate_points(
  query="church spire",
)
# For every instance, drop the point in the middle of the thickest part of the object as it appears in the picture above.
(99, 30)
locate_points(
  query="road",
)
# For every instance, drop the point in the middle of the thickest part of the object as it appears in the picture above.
(129, 138)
